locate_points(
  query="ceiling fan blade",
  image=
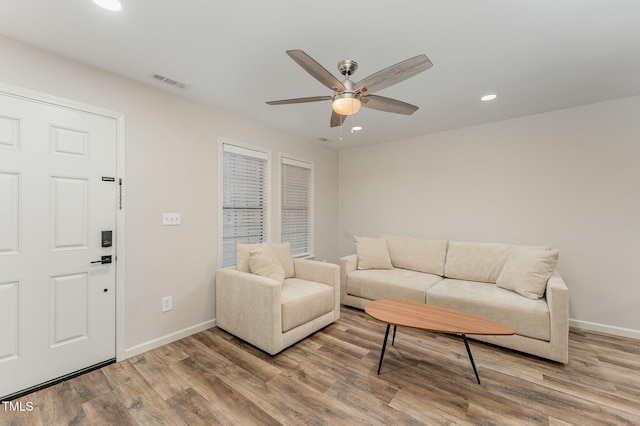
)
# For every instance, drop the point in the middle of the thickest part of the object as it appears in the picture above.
(300, 100)
(316, 70)
(337, 119)
(388, 105)
(393, 74)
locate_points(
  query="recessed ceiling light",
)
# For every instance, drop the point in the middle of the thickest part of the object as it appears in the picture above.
(356, 129)
(490, 97)
(112, 5)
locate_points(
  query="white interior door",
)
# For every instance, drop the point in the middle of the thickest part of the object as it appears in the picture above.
(57, 308)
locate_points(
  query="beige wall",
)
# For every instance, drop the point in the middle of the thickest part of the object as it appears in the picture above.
(569, 178)
(171, 166)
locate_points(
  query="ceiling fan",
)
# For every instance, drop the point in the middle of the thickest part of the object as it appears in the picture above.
(348, 96)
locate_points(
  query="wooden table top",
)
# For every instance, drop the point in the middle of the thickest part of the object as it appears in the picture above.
(432, 318)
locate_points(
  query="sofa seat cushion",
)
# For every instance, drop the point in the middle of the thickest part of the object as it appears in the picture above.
(303, 301)
(529, 318)
(402, 284)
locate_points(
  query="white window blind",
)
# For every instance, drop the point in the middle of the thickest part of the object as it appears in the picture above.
(297, 221)
(244, 199)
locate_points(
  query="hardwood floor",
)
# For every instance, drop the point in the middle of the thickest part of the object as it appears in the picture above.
(330, 379)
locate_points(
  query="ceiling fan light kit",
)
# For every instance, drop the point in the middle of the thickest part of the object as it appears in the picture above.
(349, 97)
(346, 104)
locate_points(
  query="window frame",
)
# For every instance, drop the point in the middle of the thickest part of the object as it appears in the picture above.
(245, 148)
(308, 164)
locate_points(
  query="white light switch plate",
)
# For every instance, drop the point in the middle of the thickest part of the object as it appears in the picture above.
(171, 218)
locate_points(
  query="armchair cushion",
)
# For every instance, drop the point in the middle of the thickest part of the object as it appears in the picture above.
(303, 301)
(264, 261)
(283, 250)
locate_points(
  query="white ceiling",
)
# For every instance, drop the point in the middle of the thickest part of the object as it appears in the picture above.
(537, 55)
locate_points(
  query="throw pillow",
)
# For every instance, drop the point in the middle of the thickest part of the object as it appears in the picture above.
(264, 261)
(527, 272)
(373, 253)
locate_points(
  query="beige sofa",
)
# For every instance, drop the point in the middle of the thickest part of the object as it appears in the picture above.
(276, 301)
(514, 285)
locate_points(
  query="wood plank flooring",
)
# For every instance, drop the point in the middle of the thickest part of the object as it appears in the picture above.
(330, 379)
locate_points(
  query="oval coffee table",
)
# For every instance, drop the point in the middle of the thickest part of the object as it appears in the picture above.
(433, 319)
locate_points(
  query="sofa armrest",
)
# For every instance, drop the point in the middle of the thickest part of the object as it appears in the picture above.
(348, 264)
(249, 306)
(557, 295)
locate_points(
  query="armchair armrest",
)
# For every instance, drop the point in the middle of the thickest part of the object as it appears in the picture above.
(320, 272)
(249, 306)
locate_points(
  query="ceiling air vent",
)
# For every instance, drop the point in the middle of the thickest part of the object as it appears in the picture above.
(169, 81)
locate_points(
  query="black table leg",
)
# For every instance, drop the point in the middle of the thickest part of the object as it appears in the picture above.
(466, 343)
(393, 339)
(384, 345)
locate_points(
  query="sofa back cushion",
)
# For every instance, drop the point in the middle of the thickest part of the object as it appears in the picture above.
(417, 254)
(478, 261)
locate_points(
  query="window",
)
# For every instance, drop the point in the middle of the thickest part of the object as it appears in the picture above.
(297, 206)
(244, 199)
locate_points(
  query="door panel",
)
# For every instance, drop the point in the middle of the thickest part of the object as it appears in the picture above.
(9, 213)
(57, 309)
(9, 319)
(69, 142)
(68, 309)
(9, 133)
(69, 210)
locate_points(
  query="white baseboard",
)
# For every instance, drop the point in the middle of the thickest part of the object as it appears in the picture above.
(606, 329)
(160, 341)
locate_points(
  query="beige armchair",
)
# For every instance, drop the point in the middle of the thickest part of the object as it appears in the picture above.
(272, 314)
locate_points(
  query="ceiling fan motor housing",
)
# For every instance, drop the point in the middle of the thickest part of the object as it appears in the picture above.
(347, 67)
